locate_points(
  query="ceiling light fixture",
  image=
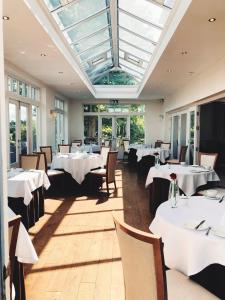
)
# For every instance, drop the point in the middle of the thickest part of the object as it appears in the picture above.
(184, 52)
(60, 72)
(6, 18)
(169, 71)
(212, 20)
(43, 54)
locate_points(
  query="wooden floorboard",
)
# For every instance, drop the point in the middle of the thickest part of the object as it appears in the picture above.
(79, 256)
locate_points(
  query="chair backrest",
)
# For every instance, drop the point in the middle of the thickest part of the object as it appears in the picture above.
(165, 146)
(29, 161)
(158, 143)
(64, 148)
(104, 154)
(183, 151)
(142, 261)
(48, 152)
(126, 144)
(111, 166)
(208, 159)
(76, 143)
(107, 143)
(158, 193)
(13, 230)
(42, 164)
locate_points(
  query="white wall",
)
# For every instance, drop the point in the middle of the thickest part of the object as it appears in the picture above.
(47, 123)
(153, 118)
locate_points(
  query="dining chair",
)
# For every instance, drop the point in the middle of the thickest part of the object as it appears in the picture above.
(182, 156)
(29, 161)
(158, 143)
(126, 144)
(76, 143)
(109, 172)
(48, 151)
(42, 163)
(144, 165)
(165, 146)
(208, 159)
(64, 148)
(107, 143)
(13, 230)
(144, 272)
(132, 156)
(104, 153)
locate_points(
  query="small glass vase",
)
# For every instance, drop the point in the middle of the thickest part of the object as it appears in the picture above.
(173, 193)
(157, 162)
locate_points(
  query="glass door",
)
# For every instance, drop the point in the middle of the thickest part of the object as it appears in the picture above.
(13, 133)
(175, 136)
(121, 130)
(23, 141)
(191, 137)
(106, 128)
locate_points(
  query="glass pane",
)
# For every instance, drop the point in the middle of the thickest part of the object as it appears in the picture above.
(92, 41)
(132, 50)
(59, 129)
(86, 28)
(103, 107)
(87, 108)
(137, 76)
(137, 108)
(23, 129)
(9, 84)
(78, 11)
(26, 90)
(21, 88)
(12, 132)
(52, 4)
(191, 137)
(91, 129)
(116, 78)
(133, 39)
(137, 129)
(146, 10)
(14, 85)
(121, 127)
(90, 54)
(106, 128)
(100, 70)
(34, 127)
(37, 94)
(139, 27)
(175, 136)
(132, 66)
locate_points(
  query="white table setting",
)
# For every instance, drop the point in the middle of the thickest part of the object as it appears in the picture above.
(189, 178)
(77, 164)
(21, 183)
(162, 153)
(193, 233)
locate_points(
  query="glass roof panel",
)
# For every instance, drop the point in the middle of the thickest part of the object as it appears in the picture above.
(86, 28)
(116, 78)
(138, 27)
(132, 50)
(92, 41)
(132, 66)
(52, 4)
(92, 53)
(146, 10)
(133, 39)
(136, 75)
(78, 11)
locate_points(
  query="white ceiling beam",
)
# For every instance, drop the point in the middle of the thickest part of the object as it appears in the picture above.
(136, 47)
(93, 47)
(114, 26)
(90, 35)
(138, 35)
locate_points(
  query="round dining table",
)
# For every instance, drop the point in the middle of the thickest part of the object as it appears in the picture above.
(189, 178)
(187, 248)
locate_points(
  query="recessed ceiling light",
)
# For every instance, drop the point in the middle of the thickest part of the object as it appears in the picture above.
(169, 70)
(212, 20)
(60, 72)
(184, 52)
(22, 52)
(6, 18)
(191, 72)
(43, 54)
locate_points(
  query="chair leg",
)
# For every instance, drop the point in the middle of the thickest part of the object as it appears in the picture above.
(107, 188)
(115, 184)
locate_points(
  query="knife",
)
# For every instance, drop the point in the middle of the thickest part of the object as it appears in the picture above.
(196, 227)
(221, 199)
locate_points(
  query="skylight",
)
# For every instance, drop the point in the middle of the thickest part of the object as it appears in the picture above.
(113, 41)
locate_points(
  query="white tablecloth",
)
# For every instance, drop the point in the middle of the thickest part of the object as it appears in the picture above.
(23, 183)
(163, 153)
(25, 251)
(139, 146)
(187, 181)
(77, 164)
(187, 250)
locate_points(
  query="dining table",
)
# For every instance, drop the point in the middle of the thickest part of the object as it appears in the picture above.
(26, 193)
(189, 178)
(193, 235)
(77, 164)
(92, 148)
(25, 254)
(162, 153)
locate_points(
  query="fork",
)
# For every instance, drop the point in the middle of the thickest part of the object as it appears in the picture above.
(208, 230)
(221, 199)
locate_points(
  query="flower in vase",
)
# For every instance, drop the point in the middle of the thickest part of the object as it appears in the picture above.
(173, 176)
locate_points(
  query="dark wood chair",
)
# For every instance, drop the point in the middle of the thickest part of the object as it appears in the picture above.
(29, 161)
(166, 146)
(143, 269)
(132, 156)
(64, 148)
(182, 156)
(158, 143)
(109, 172)
(126, 144)
(13, 228)
(76, 143)
(208, 159)
(104, 153)
(144, 165)
(48, 152)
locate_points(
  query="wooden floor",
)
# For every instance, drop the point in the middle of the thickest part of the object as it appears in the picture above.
(79, 257)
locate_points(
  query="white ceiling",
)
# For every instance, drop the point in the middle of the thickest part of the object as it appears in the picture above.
(25, 40)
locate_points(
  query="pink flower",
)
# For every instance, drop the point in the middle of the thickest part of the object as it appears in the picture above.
(173, 176)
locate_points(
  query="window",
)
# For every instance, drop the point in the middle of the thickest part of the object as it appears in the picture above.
(114, 107)
(35, 93)
(59, 122)
(34, 127)
(137, 129)
(90, 129)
